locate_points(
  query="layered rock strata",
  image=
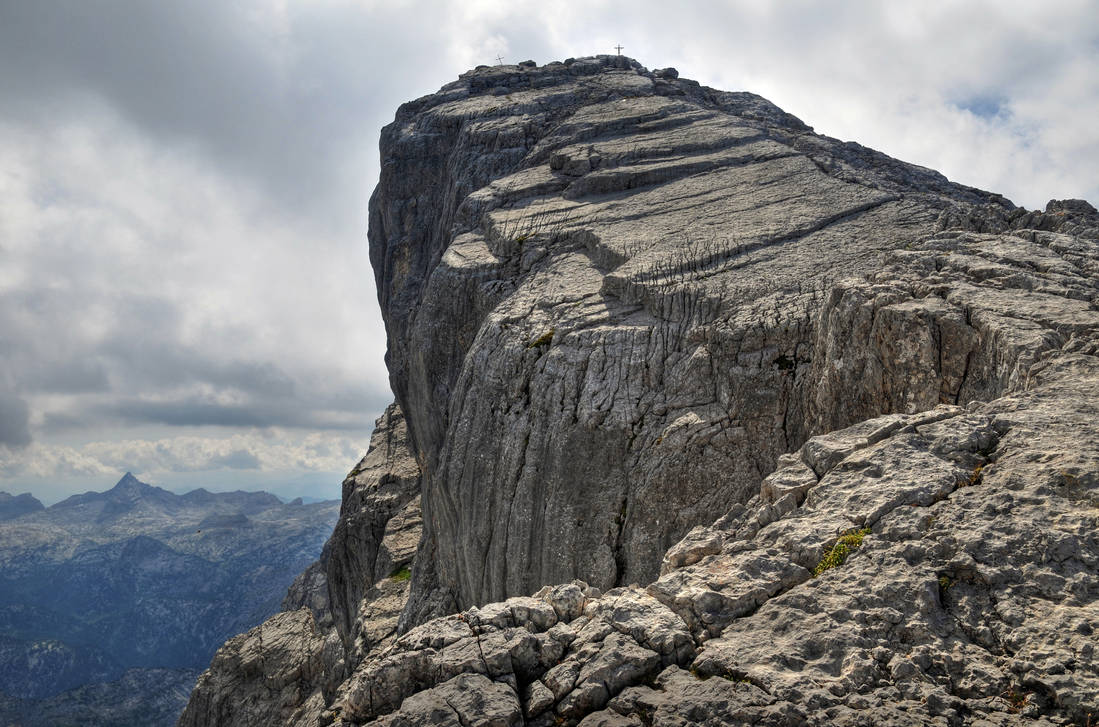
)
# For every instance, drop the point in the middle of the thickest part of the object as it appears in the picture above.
(600, 287)
(620, 305)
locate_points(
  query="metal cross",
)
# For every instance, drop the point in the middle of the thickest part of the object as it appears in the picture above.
(619, 49)
(499, 61)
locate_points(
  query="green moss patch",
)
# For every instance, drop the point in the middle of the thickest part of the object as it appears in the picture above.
(544, 340)
(848, 543)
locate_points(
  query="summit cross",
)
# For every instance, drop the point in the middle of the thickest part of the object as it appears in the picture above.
(499, 61)
(619, 49)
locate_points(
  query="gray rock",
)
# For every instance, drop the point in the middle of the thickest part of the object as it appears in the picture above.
(468, 699)
(287, 670)
(378, 526)
(264, 676)
(837, 412)
(619, 294)
(310, 590)
(970, 591)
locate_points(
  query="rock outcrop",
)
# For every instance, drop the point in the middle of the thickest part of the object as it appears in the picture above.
(600, 287)
(343, 606)
(838, 413)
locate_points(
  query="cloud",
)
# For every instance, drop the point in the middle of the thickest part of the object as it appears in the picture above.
(275, 451)
(14, 418)
(253, 413)
(281, 95)
(240, 459)
(120, 306)
(50, 462)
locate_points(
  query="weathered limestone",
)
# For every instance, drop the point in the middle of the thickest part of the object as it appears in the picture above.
(801, 433)
(378, 529)
(970, 600)
(266, 675)
(600, 286)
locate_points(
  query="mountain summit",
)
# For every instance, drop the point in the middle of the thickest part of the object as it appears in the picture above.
(129, 483)
(686, 390)
(131, 488)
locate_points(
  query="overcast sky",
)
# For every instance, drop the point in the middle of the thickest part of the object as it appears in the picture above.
(184, 283)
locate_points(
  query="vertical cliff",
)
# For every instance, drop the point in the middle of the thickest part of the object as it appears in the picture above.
(599, 286)
(836, 411)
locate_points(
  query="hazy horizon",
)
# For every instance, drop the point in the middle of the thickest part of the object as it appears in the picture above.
(319, 486)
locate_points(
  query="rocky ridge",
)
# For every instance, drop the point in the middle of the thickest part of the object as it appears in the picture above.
(13, 506)
(620, 304)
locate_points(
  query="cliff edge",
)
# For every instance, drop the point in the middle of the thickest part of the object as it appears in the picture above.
(621, 306)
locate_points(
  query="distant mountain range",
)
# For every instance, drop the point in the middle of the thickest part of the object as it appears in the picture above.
(135, 588)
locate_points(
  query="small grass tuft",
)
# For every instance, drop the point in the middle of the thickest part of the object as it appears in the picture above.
(847, 544)
(544, 340)
(1016, 699)
(975, 478)
(945, 584)
(403, 573)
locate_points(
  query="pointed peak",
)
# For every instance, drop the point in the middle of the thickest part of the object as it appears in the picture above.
(128, 481)
(129, 487)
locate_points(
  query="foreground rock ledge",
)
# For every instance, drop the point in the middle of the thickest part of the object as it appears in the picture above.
(620, 305)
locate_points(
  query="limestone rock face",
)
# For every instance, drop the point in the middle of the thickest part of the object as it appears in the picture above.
(379, 526)
(262, 677)
(711, 420)
(966, 593)
(600, 287)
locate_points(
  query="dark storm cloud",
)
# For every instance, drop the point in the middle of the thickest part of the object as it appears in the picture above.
(292, 101)
(256, 413)
(14, 421)
(141, 348)
(80, 376)
(149, 359)
(243, 404)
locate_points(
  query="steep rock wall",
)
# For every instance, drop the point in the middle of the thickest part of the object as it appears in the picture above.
(343, 606)
(619, 306)
(935, 567)
(599, 287)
